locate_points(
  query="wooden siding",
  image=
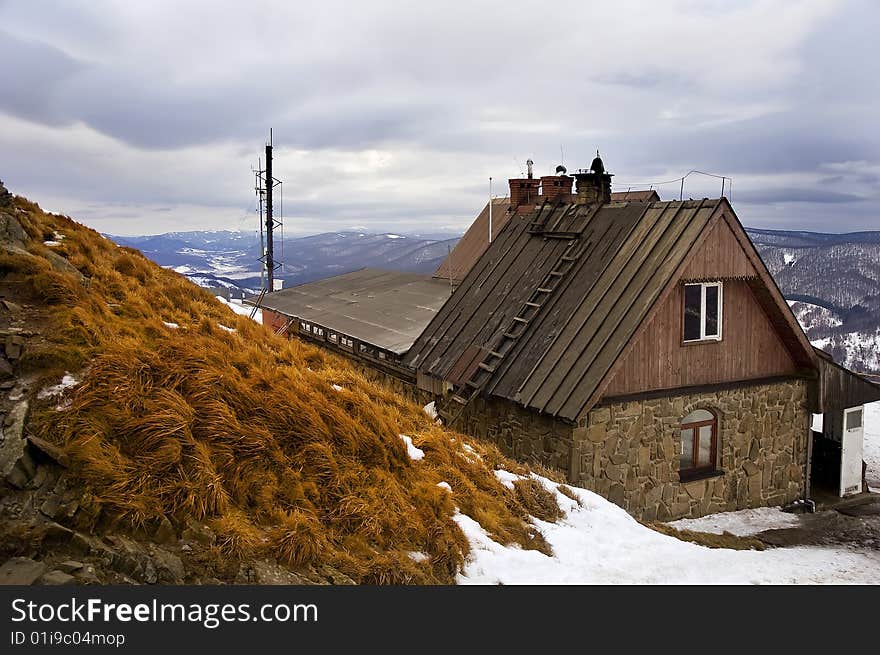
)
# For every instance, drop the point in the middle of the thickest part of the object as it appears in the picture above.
(720, 251)
(750, 347)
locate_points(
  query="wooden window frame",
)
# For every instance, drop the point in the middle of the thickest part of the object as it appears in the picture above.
(703, 338)
(697, 472)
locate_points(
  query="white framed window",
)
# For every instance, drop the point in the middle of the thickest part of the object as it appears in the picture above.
(703, 305)
(333, 337)
(305, 327)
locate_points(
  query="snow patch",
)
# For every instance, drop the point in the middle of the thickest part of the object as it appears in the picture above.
(171, 326)
(241, 309)
(742, 523)
(51, 243)
(431, 409)
(507, 478)
(335, 387)
(226, 329)
(66, 382)
(871, 452)
(417, 556)
(599, 543)
(445, 485)
(414, 453)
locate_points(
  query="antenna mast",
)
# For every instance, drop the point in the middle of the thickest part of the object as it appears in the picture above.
(266, 183)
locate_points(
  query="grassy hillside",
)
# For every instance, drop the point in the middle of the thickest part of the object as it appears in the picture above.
(184, 409)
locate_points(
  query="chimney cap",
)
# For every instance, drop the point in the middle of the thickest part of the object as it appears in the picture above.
(597, 166)
(561, 170)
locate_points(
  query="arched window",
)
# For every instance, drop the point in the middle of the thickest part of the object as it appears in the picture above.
(699, 437)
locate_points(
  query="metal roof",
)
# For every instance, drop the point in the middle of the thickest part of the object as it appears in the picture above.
(387, 309)
(475, 241)
(630, 251)
(840, 388)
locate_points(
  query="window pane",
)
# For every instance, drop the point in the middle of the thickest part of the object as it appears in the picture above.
(698, 416)
(854, 419)
(687, 449)
(712, 311)
(704, 458)
(692, 302)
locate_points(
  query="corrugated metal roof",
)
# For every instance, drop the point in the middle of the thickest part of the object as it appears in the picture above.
(640, 196)
(475, 241)
(630, 251)
(388, 309)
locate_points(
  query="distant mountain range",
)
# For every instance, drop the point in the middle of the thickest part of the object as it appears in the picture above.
(232, 259)
(832, 281)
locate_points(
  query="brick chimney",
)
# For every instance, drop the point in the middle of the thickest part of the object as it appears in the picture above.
(557, 186)
(524, 190)
(593, 185)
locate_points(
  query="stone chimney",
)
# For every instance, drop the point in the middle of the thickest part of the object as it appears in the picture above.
(557, 186)
(593, 185)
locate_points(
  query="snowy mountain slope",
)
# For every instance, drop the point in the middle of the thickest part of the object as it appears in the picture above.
(836, 279)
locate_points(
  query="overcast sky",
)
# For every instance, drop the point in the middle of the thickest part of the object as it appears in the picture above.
(146, 117)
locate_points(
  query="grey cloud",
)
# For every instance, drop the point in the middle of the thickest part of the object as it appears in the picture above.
(820, 195)
(30, 74)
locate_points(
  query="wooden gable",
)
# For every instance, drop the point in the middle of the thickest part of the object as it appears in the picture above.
(756, 343)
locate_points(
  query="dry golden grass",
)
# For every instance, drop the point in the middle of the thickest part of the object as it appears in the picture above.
(244, 431)
(709, 540)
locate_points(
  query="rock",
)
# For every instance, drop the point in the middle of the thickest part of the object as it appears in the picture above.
(169, 567)
(150, 575)
(58, 533)
(21, 571)
(12, 446)
(14, 347)
(57, 577)
(70, 566)
(51, 451)
(750, 468)
(263, 572)
(87, 575)
(10, 306)
(5, 369)
(164, 533)
(198, 532)
(334, 576)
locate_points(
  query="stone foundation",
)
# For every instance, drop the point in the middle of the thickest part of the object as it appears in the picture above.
(629, 452)
(520, 434)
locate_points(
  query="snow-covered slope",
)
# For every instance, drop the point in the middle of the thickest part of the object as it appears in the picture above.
(599, 543)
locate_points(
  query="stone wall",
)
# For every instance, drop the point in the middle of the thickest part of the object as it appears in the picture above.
(521, 434)
(628, 452)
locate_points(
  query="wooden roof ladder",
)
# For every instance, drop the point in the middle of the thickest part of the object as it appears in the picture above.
(463, 394)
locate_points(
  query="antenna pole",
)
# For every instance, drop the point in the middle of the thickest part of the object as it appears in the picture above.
(681, 192)
(270, 255)
(490, 210)
(449, 266)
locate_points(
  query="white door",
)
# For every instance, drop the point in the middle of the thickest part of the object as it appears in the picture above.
(851, 451)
